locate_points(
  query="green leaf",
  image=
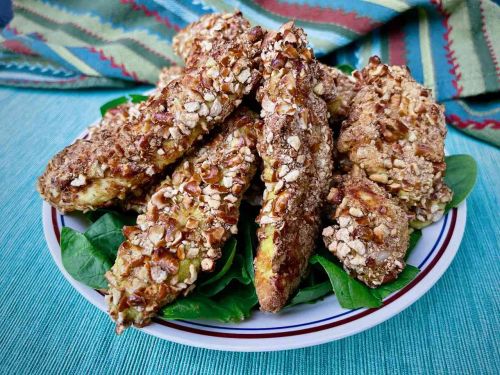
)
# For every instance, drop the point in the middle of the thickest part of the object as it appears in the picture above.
(311, 294)
(82, 260)
(129, 217)
(248, 241)
(106, 234)
(233, 305)
(93, 216)
(236, 273)
(136, 98)
(346, 68)
(404, 278)
(461, 175)
(350, 293)
(415, 236)
(228, 253)
(113, 104)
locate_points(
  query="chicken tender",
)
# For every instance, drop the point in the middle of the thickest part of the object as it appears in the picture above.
(296, 150)
(370, 236)
(95, 173)
(188, 219)
(395, 133)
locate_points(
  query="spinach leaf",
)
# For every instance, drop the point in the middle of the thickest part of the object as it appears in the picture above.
(461, 175)
(134, 98)
(353, 294)
(350, 293)
(404, 278)
(129, 217)
(106, 234)
(113, 104)
(87, 256)
(228, 253)
(415, 236)
(233, 305)
(345, 68)
(311, 294)
(93, 216)
(247, 230)
(237, 273)
(82, 260)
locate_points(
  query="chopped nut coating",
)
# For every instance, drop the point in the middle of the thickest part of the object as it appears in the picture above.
(167, 75)
(117, 117)
(199, 37)
(337, 89)
(296, 149)
(331, 84)
(395, 133)
(370, 236)
(163, 129)
(188, 219)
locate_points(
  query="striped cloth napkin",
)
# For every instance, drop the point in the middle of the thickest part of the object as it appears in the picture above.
(451, 46)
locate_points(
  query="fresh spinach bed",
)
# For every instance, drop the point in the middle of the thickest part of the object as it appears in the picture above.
(228, 294)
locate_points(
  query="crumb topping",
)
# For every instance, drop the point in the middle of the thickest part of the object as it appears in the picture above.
(395, 133)
(370, 234)
(199, 37)
(159, 130)
(188, 219)
(296, 150)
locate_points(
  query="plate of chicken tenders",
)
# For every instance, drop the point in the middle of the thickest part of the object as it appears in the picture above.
(258, 199)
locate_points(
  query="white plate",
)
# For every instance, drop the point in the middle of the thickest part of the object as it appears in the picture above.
(299, 326)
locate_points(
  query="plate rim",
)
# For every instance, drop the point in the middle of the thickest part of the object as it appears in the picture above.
(248, 344)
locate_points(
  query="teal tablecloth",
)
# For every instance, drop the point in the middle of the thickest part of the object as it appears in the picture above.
(47, 327)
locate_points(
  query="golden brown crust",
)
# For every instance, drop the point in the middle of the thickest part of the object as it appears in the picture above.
(395, 133)
(296, 150)
(91, 174)
(188, 219)
(370, 234)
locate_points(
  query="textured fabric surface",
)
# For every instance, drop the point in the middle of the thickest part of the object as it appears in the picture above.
(47, 327)
(452, 46)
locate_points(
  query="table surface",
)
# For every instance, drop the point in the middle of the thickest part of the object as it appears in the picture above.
(47, 327)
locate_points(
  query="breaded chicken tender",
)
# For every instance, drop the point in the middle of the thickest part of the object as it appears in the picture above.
(296, 149)
(94, 173)
(370, 234)
(188, 219)
(395, 133)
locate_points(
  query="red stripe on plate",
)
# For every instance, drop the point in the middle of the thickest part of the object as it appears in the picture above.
(55, 226)
(303, 331)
